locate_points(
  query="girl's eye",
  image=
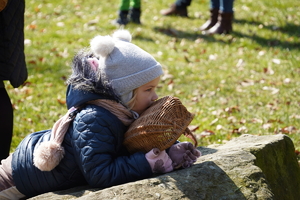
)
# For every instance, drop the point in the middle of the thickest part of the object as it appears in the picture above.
(148, 90)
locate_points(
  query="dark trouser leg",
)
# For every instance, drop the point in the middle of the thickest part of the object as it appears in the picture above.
(224, 24)
(178, 8)
(214, 13)
(183, 3)
(225, 18)
(6, 121)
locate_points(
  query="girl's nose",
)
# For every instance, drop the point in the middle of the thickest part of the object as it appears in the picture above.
(155, 97)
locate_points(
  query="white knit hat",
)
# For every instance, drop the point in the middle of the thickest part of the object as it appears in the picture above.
(126, 65)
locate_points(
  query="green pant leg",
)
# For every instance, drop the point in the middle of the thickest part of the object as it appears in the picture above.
(135, 3)
(124, 5)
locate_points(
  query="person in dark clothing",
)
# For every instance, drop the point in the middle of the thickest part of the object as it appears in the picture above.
(221, 15)
(112, 84)
(12, 64)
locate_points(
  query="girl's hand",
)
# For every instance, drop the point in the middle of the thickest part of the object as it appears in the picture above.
(183, 154)
(159, 161)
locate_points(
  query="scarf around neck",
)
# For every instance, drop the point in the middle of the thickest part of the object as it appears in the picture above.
(48, 154)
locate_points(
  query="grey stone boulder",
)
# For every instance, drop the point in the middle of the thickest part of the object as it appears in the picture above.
(248, 167)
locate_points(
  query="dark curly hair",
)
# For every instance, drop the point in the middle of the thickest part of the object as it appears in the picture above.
(84, 77)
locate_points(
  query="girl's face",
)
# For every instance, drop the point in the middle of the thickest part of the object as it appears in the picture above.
(145, 96)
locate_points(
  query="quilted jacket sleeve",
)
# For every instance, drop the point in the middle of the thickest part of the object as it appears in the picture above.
(97, 144)
(12, 57)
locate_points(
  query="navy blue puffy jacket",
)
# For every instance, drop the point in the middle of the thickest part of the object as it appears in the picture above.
(94, 153)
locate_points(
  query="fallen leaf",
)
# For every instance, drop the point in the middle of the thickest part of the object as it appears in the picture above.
(170, 85)
(232, 119)
(243, 121)
(268, 71)
(32, 62)
(243, 129)
(214, 121)
(212, 57)
(37, 9)
(295, 116)
(272, 89)
(275, 120)
(267, 126)
(272, 106)
(60, 24)
(256, 120)
(206, 133)
(219, 127)
(246, 83)
(195, 99)
(287, 81)
(93, 22)
(289, 130)
(276, 61)
(27, 42)
(232, 109)
(167, 76)
(32, 26)
(240, 63)
(261, 53)
(61, 101)
(186, 59)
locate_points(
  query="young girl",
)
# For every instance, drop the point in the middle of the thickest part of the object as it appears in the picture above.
(108, 89)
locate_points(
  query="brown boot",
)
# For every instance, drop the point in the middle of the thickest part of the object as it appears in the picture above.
(224, 24)
(214, 13)
(174, 10)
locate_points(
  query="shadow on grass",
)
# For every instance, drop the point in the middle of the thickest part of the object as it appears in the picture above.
(292, 30)
(190, 35)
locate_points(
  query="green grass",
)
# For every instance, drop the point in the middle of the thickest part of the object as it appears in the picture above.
(245, 82)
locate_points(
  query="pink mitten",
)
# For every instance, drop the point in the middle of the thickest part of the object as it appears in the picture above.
(159, 161)
(183, 154)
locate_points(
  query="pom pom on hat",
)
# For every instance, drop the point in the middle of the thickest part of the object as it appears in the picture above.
(123, 35)
(48, 155)
(102, 45)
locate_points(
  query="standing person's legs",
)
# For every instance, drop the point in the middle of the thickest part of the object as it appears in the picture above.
(124, 5)
(135, 11)
(225, 19)
(122, 13)
(214, 4)
(214, 13)
(183, 3)
(135, 4)
(178, 8)
(6, 121)
(226, 6)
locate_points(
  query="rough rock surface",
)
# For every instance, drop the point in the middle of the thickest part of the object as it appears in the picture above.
(248, 167)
